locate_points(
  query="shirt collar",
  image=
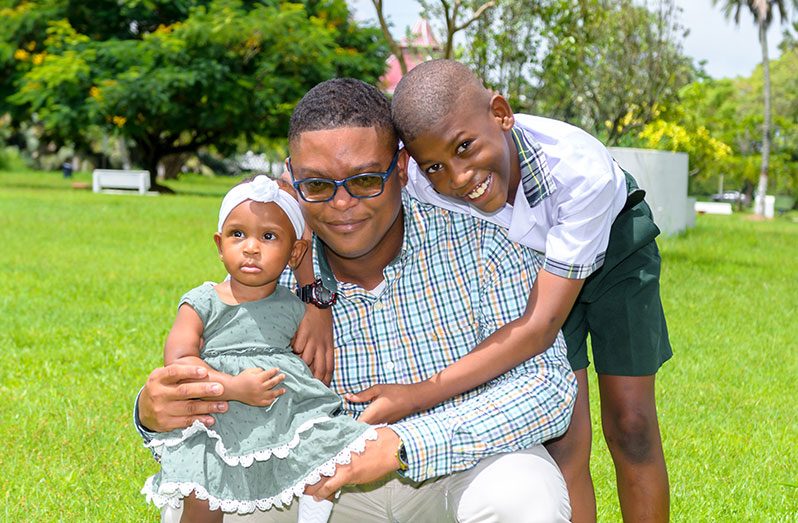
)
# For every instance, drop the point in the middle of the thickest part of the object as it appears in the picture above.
(414, 234)
(536, 179)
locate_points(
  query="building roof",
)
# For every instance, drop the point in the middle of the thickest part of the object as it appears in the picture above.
(419, 46)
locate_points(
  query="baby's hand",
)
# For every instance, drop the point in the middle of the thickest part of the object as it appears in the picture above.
(256, 386)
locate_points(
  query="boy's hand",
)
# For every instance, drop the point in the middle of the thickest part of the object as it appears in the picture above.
(256, 386)
(389, 402)
(313, 342)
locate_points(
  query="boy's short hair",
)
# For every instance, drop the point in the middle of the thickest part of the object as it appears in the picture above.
(341, 102)
(428, 93)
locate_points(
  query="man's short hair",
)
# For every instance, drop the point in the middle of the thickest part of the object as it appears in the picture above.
(341, 102)
(428, 93)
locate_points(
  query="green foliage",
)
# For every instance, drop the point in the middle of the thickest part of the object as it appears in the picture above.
(714, 114)
(173, 77)
(82, 326)
(605, 65)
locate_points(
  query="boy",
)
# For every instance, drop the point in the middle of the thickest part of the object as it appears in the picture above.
(557, 190)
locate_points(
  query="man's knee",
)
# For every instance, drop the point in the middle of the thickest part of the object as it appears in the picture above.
(517, 487)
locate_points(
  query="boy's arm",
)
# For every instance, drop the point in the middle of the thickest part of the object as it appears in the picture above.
(252, 386)
(550, 301)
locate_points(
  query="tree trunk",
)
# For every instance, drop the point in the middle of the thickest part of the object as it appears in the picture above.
(152, 159)
(762, 186)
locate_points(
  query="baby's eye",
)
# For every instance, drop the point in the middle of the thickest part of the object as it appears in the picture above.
(237, 234)
(269, 236)
(434, 168)
(463, 146)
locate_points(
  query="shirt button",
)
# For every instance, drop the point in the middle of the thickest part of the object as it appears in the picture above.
(379, 306)
(390, 365)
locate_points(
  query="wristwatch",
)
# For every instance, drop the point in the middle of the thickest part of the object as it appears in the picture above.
(401, 457)
(317, 294)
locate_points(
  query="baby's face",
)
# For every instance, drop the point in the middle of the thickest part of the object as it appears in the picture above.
(256, 243)
(467, 156)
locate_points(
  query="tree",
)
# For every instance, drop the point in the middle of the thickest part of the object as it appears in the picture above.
(456, 17)
(605, 65)
(762, 13)
(175, 77)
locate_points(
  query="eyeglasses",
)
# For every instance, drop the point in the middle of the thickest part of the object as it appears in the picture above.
(363, 185)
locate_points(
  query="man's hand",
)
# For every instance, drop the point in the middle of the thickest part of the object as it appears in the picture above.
(377, 460)
(256, 386)
(167, 401)
(313, 342)
(389, 402)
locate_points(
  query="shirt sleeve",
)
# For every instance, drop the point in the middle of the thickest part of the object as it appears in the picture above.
(145, 434)
(528, 405)
(586, 209)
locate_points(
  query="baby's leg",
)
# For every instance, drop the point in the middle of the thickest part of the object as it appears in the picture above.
(197, 510)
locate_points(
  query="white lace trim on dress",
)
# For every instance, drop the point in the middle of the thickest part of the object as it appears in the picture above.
(172, 493)
(244, 460)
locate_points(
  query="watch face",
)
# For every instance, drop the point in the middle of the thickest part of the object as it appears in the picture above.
(322, 294)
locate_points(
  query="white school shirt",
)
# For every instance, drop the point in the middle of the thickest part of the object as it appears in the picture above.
(584, 191)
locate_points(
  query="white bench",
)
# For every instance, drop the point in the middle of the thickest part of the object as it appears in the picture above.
(713, 207)
(103, 179)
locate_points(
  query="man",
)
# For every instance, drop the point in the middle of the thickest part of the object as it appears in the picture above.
(418, 288)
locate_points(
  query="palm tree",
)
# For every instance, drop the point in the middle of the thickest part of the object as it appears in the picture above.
(762, 11)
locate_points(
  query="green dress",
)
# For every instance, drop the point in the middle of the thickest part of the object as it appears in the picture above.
(255, 457)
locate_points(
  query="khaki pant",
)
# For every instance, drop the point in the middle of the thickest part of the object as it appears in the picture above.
(524, 486)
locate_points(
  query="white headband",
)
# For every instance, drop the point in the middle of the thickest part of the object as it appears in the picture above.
(263, 189)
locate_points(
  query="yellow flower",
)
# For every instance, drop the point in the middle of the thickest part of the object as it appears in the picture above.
(119, 121)
(38, 58)
(94, 92)
(31, 46)
(21, 54)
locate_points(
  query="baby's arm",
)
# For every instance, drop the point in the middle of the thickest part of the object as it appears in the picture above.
(550, 301)
(252, 386)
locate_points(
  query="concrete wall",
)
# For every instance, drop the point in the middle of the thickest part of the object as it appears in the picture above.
(664, 177)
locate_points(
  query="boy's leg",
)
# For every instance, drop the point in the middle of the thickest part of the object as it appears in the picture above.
(571, 451)
(629, 421)
(629, 338)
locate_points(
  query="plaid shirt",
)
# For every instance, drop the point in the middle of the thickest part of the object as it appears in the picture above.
(456, 281)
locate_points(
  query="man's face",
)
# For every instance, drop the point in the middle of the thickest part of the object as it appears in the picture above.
(469, 154)
(352, 228)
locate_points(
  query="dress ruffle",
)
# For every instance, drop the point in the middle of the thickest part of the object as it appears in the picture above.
(243, 460)
(172, 493)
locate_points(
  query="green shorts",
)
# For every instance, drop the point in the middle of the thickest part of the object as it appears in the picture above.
(619, 305)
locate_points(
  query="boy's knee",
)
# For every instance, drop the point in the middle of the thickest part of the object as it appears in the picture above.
(634, 436)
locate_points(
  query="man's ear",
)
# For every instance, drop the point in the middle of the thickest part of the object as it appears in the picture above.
(217, 239)
(502, 112)
(401, 166)
(297, 253)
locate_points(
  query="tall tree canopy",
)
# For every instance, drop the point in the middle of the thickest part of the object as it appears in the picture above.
(175, 76)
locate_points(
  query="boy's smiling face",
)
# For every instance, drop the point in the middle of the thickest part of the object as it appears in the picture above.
(470, 155)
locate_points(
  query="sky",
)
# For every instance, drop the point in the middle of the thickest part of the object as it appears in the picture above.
(728, 50)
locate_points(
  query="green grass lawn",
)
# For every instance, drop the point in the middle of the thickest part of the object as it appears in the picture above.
(90, 284)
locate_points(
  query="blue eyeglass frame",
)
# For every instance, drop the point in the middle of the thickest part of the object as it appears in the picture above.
(339, 183)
